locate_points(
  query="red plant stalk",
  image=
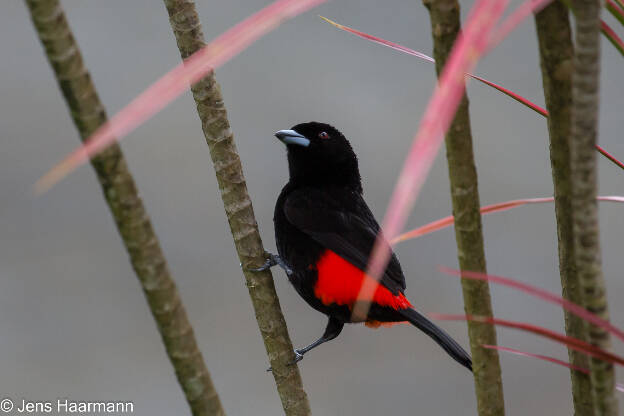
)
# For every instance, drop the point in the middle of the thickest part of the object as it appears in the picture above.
(469, 46)
(380, 41)
(609, 33)
(509, 93)
(518, 16)
(540, 294)
(448, 221)
(571, 342)
(609, 155)
(488, 209)
(618, 386)
(612, 36)
(538, 356)
(421, 55)
(615, 10)
(177, 81)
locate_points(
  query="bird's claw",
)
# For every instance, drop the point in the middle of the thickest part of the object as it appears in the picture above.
(298, 357)
(270, 262)
(273, 260)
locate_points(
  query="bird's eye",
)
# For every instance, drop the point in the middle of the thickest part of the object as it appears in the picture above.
(323, 135)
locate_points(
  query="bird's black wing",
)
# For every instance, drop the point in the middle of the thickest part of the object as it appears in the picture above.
(347, 228)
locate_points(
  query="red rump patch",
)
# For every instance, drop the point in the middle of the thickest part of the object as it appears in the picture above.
(378, 324)
(339, 282)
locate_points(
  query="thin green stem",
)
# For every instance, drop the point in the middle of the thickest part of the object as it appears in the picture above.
(127, 209)
(556, 56)
(238, 208)
(584, 183)
(445, 26)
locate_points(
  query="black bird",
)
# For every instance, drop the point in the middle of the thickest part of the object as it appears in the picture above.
(325, 233)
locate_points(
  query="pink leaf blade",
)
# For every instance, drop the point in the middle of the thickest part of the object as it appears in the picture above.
(469, 46)
(518, 16)
(540, 294)
(488, 209)
(450, 220)
(615, 10)
(513, 95)
(619, 387)
(571, 342)
(425, 229)
(421, 55)
(609, 156)
(173, 84)
(379, 40)
(537, 356)
(610, 34)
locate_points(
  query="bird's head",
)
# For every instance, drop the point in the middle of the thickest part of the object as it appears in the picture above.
(320, 155)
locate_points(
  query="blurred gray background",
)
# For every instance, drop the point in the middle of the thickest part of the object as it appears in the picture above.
(73, 320)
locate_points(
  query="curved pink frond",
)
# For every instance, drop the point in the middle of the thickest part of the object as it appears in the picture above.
(488, 209)
(380, 41)
(618, 386)
(421, 55)
(612, 36)
(450, 220)
(609, 155)
(538, 356)
(616, 10)
(177, 81)
(509, 93)
(571, 342)
(540, 294)
(518, 16)
(606, 30)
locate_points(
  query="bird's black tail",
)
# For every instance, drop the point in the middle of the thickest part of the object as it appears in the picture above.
(442, 338)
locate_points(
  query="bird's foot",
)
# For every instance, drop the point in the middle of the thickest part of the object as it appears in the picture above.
(273, 260)
(298, 357)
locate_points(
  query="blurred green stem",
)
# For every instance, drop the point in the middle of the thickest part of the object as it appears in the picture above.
(556, 56)
(127, 208)
(583, 138)
(238, 208)
(445, 26)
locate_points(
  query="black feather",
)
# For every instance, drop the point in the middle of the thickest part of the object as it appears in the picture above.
(438, 335)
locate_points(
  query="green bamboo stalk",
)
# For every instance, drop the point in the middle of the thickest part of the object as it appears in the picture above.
(445, 26)
(556, 56)
(127, 208)
(583, 138)
(603, 30)
(238, 208)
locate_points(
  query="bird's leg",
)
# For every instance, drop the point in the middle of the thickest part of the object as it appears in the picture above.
(273, 260)
(333, 329)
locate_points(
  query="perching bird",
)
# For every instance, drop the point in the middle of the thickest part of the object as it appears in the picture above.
(325, 233)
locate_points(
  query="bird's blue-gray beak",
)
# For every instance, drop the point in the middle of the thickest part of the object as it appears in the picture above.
(292, 137)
